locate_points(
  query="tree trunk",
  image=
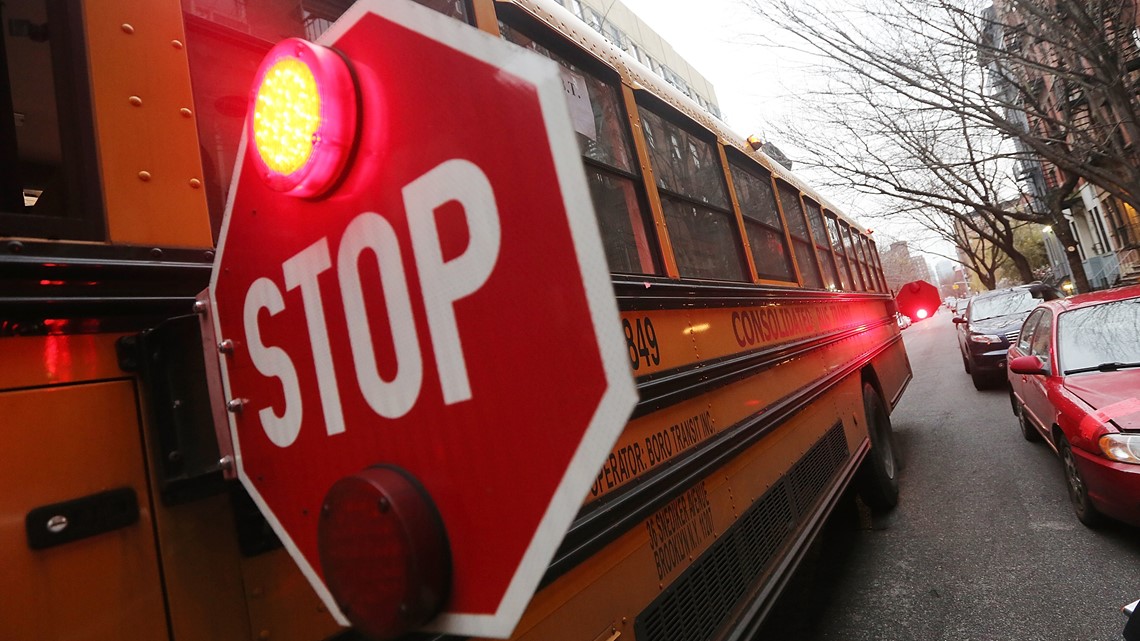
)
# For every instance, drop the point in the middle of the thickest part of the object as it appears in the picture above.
(1069, 245)
(1024, 269)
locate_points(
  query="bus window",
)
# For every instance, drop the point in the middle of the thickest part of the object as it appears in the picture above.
(861, 252)
(845, 280)
(860, 281)
(878, 265)
(822, 250)
(701, 224)
(762, 222)
(794, 215)
(607, 152)
(44, 101)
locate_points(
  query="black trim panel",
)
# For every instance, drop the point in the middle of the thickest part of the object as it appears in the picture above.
(601, 522)
(116, 287)
(662, 389)
(655, 292)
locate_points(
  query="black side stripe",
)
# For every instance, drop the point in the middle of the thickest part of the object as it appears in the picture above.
(663, 389)
(608, 518)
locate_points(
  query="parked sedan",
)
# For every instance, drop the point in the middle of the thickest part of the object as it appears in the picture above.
(1074, 376)
(990, 323)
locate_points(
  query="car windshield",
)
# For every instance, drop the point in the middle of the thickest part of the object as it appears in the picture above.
(1100, 335)
(1003, 304)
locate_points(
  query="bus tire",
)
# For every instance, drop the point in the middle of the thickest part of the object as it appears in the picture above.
(878, 478)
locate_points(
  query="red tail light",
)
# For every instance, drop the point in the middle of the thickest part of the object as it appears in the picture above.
(384, 552)
(922, 313)
(302, 124)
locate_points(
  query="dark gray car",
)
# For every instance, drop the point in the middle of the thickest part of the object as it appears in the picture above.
(991, 323)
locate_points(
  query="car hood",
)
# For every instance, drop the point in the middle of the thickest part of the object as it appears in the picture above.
(1103, 390)
(998, 324)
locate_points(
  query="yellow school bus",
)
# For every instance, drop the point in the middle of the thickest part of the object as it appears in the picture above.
(756, 316)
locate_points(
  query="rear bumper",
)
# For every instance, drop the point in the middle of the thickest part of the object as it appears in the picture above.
(1114, 488)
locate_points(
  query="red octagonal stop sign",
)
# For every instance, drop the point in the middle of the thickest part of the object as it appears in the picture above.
(445, 309)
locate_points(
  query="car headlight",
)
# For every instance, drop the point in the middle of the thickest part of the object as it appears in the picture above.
(1121, 447)
(985, 338)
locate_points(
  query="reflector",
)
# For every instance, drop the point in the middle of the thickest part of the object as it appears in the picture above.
(302, 124)
(384, 552)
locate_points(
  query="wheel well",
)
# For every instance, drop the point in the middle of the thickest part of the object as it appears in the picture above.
(1056, 433)
(867, 374)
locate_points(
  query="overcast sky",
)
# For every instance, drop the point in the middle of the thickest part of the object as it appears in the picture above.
(719, 40)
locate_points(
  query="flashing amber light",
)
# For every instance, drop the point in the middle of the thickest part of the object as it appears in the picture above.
(384, 552)
(755, 143)
(922, 313)
(302, 124)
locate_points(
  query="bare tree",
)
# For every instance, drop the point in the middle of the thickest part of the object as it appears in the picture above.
(1052, 75)
(943, 172)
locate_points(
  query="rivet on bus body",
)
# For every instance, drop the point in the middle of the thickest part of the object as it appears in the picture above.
(186, 113)
(177, 44)
(235, 406)
(127, 29)
(195, 183)
(226, 346)
(135, 101)
(144, 176)
(156, 253)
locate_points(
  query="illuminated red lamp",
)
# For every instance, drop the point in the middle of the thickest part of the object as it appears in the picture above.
(922, 313)
(302, 123)
(384, 552)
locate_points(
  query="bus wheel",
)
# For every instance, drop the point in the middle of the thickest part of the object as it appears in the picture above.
(878, 482)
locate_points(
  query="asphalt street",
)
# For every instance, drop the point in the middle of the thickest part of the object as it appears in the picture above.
(983, 545)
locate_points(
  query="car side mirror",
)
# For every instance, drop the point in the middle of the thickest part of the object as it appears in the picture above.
(1027, 365)
(958, 320)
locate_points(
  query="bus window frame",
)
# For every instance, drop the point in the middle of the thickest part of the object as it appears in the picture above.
(860, 282)
(813, 214)
(528, 26)
(82, 216)
(872, 279)
(847, 281)
(734, 158)
(670, 116)
(878, 264)
(777, 182)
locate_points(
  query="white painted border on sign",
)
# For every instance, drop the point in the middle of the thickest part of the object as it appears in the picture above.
(620, 394)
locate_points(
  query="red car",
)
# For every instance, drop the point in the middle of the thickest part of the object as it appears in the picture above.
(1074, 377)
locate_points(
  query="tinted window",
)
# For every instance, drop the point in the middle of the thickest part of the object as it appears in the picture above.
(1005, 304)
(683, 163)
(1105, 333)
(822, 249)
(47, 185)
(845, 280)
(762, 223)
(702, 228)
(599, 121)
(794, 214)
